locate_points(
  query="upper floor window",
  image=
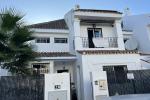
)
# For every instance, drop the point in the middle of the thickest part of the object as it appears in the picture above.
(42, 40)
(60, 40)
(97, 32)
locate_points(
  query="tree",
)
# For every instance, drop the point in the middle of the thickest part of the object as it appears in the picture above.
(15, 52)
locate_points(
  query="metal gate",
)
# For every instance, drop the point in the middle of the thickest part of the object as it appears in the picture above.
(120, 84)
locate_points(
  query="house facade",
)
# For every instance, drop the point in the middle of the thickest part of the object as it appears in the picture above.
(97, 40)
(84, 42)
(140, 27)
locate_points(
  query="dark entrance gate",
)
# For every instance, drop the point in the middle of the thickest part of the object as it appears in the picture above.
(119, 84)
(22, 88)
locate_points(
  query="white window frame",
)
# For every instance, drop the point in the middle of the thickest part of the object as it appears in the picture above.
(41, 40)
(56, 39)
(98, 30)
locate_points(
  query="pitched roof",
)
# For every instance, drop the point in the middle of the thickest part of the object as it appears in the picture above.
(61, 24)
(96, 10)
(54, 54)
(108, 52)
(56, 24)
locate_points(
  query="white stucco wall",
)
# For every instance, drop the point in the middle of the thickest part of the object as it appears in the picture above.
(69, 18)
(139, 24)
(61, 93)
(69, 65)
(95, 62)
(51, 47)
(79, 77)
(99, 90)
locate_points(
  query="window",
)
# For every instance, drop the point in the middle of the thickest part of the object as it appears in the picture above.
(63, 71)
(42, 40)
(97, 33)
(40, 68)
(60, 40)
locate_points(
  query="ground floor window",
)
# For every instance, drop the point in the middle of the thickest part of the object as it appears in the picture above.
(63, 71)
(40, 68)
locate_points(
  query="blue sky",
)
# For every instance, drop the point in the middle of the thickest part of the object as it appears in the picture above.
(46, 10)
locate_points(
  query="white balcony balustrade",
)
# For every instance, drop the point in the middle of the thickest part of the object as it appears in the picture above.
(104, 42)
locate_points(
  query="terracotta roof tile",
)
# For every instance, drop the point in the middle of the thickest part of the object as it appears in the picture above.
(108, 52)
(53, 54)
(56, 24)
(96, 10)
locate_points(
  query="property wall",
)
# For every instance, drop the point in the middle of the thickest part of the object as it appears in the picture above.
(89, 64)
(139, 24)
(61, 93)
(79, 77)
(51, 47)
(68, 65)
(101, 88)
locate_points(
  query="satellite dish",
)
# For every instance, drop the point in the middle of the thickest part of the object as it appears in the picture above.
(131, 44)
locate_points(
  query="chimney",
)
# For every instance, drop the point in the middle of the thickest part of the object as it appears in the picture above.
(127, 12)
(77, 7)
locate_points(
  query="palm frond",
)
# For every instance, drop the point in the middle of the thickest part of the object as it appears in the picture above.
(15, 53)
(10, 19)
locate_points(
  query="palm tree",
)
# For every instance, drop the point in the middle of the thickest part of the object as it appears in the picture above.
(15, 53)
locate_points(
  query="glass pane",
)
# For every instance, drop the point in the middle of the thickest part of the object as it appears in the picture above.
(97, 34)
(43, 40)
(60, 40)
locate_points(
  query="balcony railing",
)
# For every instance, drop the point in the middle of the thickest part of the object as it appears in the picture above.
(104, 42)
(40, 70)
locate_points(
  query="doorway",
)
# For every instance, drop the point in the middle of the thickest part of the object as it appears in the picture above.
(94, 33)
(90, 38)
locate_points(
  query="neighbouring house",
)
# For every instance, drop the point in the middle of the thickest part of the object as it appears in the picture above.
(85, 41)
(140, 27)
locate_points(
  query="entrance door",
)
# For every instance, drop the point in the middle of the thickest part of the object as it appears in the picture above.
(90, 38)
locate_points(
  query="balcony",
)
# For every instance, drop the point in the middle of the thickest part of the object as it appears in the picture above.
(105, 42)
(40, 70)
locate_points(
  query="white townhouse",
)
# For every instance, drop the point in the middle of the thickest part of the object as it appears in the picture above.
(97, 40)
(140, 27)
(84, 42)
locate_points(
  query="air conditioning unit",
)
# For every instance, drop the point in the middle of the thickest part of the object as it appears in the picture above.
(99, 84)
(57, 86)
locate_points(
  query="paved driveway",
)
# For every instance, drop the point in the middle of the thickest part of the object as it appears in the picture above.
(130, 97)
